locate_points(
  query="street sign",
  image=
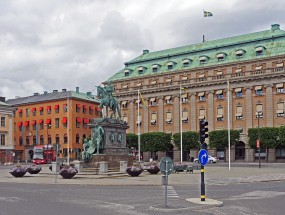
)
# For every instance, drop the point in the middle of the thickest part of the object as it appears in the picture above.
(257, 144)
(203, 157)
(166, 165)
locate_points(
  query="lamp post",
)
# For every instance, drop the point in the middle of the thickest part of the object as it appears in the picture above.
(48, 126)
(181, 145)
(258, 141)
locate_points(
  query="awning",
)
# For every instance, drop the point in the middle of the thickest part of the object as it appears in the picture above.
(152, 99)
(279, 85)
(78, 119)
(238, 70)
(279, 64)
(41, 108)
(98, 109)
(85, 106)
(91, 107)
(201, 117)
(280, 111)
(186, 61)
(153, 82)
(56, 107)
(48, 107)
(201, 94)
(184, 118)
(168, 120)
(219, 92)
(183, 96)
(139, 84)
(238, 90)
(202, 76)
(140, 68)
(258, 67)
(78, 105)
(258, 49)
(220, 73)
(184, 78)
(20, 111)
(19, 124)
(33, 109)
(138, 122)
(220, 116)
(26, 123)
(64, 120)
(168, 80)
(238, 114)
(34, 122)
(221, 55)
(154, 66)
(153, 121)
(85, 121)
(41, 121)
(125, 86)
(167, 97)
(260, 113)
(202, 58)
(239, 52)
(124, 102)
(258, 87)
(48, 121)
(169, 64)
(138, 101)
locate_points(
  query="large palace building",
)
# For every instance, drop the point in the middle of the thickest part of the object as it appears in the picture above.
(246, 70)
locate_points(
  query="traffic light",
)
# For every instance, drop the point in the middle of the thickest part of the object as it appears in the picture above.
(203, 131)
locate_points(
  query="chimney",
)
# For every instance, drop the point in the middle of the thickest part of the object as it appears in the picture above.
(2, 99)
(77, 89)
(88, 93)
(36, 94)
(275, 27)
(55, 91)
(63, 90)
(145, 51)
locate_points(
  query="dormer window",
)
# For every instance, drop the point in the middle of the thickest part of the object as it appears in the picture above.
(141, 70)
(186, 62)
(127, 72)
(170, 65)
(259, 51)
(203, 59)
(221, 56)
(240, 53)
(154, 68)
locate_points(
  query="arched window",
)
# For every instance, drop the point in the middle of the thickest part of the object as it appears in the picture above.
(27, 140)
(49, 139)
(34, 140)
(77, 138)
(65, 139)
(20, 141)
(57, 138)
(41, 139)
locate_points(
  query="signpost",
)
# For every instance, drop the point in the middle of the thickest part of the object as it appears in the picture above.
(203, 160)
(56, 146)
(166, 168)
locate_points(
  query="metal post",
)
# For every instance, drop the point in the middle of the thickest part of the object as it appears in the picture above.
(139, 131)
(165, 187)
(259, 165)
(56, 152)
(181, 146)
(203, 196)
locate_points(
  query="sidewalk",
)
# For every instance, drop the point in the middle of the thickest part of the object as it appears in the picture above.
(214, 174)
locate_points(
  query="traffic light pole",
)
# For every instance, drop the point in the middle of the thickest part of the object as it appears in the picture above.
(203, 196)
(203, 135)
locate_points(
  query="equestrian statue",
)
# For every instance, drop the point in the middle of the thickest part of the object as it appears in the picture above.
(107, 99)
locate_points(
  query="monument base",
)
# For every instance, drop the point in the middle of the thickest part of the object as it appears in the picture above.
(113, 160)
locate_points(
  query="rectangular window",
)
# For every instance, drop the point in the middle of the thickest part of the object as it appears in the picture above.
(170, 66)
(91, 110)
(78, 108)
(184, 116)
(84, 110)
(184, 98)
(78, 121)
(3, 123)
(168, 99)
(239, 112)
(2, 141)
(202, 114)
(152, 102)
(34, 111)
(154, 69)
(48, 109)
(220, 94)
(41, 109)
(139, 120)
(259, 112)
(220, 114)
(125, 119)
(201, 96)
(27, 112)
(258, 90)
(238, 92)
(125, 104)
(280, 109)
(56, 108)
(57, 122)
(168, 118)
(280, 88)
(153, 119)
(65, 108)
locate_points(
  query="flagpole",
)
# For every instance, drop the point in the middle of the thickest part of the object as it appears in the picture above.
(181, 127)
(68, 106)
(229, 135)
(139, 130)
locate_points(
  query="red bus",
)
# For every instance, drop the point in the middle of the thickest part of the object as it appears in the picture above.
(43, 154)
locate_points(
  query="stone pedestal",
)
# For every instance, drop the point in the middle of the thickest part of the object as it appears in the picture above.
(271, 155)
(123, 166)
(141, 163)
(103, 167)
(55, 167)
(249, 155)
(78, 165)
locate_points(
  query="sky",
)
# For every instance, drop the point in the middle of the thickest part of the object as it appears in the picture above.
(48, 45)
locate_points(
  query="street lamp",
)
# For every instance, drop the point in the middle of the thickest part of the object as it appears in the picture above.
(258, 141)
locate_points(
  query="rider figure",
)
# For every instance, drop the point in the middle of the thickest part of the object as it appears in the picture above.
(109, 92)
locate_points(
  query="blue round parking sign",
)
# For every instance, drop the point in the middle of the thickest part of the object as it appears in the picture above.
(203, 157)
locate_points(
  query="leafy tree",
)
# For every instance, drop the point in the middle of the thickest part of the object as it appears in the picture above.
(268, 137)
(155, 141)
(219, 139)
(282, 135)
(189, 140)
(132, 140)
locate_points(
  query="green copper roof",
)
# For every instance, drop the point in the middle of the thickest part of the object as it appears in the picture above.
(272, 40)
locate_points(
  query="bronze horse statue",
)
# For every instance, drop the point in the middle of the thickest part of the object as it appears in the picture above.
(108, 101)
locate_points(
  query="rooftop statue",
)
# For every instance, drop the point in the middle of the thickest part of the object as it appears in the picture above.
(107, 99)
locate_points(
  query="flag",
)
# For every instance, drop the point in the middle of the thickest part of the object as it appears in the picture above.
(207, 14)
(141, 97)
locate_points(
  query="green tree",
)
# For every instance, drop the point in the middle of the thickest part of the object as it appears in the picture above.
(155, 141)
(282, 135)
(132, 140)
(268, 137)
(189, 140)
(219, 139)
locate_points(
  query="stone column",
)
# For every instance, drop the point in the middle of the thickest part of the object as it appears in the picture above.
(132, 123)
(271, 155)
(123, 166)
(160, 116)
(193, 115)
(78, 165)
(248, 107)
(176, 114)
(210, 110)
(103, 167)
(145, 116)
(268, 106)
(249, 155)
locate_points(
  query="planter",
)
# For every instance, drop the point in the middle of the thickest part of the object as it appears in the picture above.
(153, 170)
(68, 172)
(18, 171)
(134, 171)
(34, 169)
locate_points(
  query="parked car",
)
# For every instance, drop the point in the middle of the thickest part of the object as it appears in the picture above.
(211, 159)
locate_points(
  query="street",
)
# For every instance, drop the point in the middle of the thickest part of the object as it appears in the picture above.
(28, 199)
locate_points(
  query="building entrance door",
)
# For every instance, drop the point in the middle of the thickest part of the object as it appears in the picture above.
(240, 151)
